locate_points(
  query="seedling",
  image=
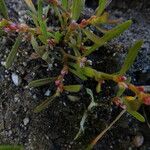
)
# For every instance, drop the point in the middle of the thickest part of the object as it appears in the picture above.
(71, 33)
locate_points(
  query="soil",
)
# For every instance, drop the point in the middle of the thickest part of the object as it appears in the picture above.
(56, 127)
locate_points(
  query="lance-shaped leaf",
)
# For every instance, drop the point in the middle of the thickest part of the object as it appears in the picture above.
(12, 55)
(77, 8)
(101, 7)
(30, 5)
(10, 147)
(64, 3)
(36, 47)
(77, 71)
(78, 74)
(42, 22)
(89, 72)
(107, 36)
(137, 115)
(3, 9)
(40, 82)
(130, 58)
(45, 103)
(72, 88)
(132, 105)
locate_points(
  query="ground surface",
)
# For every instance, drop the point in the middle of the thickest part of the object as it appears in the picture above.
(55, 128)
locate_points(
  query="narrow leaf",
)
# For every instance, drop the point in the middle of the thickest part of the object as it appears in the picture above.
(137, 115)
(30, 5)
(10, 147)
(89, 72)
(130, 58)
(40, 82)
(3, 9)
(42, 22)
(77, 8)
(94, 38)
(44, 104)
(40, 10)
(13, 52)
(36, 47)
(64, 3)
(73, 88)
(107, 36)
(101, 7)
(78, 74)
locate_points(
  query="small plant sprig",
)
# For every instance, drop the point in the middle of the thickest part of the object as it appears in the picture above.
(73, 32)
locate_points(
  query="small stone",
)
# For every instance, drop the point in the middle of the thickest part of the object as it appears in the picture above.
(16, 79)
(47, 93)
(25, 121)
(138, 140)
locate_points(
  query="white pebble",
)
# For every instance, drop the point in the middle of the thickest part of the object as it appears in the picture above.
(15, 78)
(47, 93)
(25, 121)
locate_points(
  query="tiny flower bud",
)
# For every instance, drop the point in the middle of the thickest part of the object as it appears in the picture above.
(122, 78)
(7, 29)
(13, 26)
(82, 61)
(51, 42)
(140, 88)
(146, 100)
(118, 103)
(64, 71)
(83, 23)
(73, 26)
(23, 27)
(60, 88)
(57, 82)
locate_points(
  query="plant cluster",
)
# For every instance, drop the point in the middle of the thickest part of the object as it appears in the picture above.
(69, 40)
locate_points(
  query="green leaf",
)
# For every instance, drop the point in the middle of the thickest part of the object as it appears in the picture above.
(40, 10)
(130, 58)
(3, 9)
(132, 105)
(120, 91)
(30, 5)
(101, 7)
(77, 8)
(34, 17)
(40, 50)
(10, 147)
(58, 36)
(36, 47)
(98, 88)
(78, 74)
(44, 104)
(12, 55)
(107, 36)
(40, 82)
(137, 115)
(42, 22)
(89, 72)
(94, 38)
(64, 3)
(72, 88)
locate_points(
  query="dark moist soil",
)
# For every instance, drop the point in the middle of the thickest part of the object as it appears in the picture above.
(56, 127)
